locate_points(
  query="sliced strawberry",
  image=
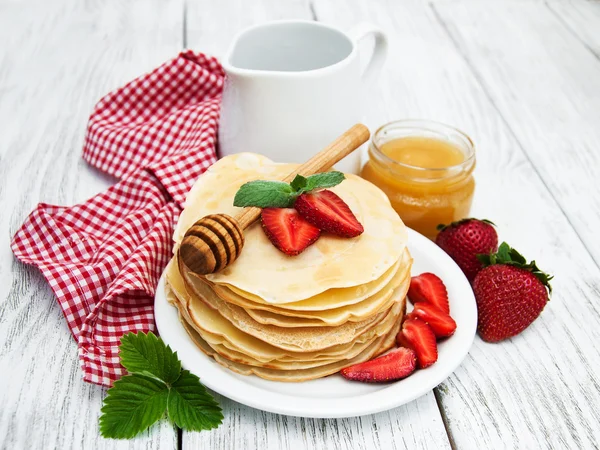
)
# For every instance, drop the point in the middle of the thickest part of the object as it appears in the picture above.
(325, 210)
(441, 323)
(418, 336)
(428, 288)
(287, 230)
(397, 364)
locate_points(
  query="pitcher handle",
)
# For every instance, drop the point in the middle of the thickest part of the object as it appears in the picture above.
(362, 31)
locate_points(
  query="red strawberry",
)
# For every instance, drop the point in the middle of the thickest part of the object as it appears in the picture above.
(325, 210)
(418, 336)
(397, 364)
(428, 288)
(289, 232)
(510, 294)
(464, 240)
(441, 323)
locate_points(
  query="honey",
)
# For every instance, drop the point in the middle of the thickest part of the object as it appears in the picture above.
(426, 170)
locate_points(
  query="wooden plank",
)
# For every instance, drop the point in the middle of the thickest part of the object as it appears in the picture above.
(416, 425)
(582, 18)
(546, 84)
(540, 389)
(57, 59)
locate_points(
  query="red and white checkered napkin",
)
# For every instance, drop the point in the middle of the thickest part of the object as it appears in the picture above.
(103, 258)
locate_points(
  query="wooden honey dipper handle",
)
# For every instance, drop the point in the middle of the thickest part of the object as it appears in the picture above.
(215, 241)
(322, 161)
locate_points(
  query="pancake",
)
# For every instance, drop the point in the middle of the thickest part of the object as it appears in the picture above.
(281, 316)
(353, 350)
(294, 339)
(381, 301)
(380, 346)
(211, 324)
(332, 262)
(291, 363)
(329, 299)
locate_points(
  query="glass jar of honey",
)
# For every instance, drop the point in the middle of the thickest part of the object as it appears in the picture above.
(426, 170)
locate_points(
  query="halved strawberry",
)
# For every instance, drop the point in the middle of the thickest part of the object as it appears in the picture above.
(418, 336)
(397, 364)
(428, 288)
(325, 210)
(287, 230)
(441, 323)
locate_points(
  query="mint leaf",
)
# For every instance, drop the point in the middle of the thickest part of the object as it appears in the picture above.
(323, 180)
(133, 404)
(298, 183)
(277, 194)
(146, 354)
(265, 194)
(190, 406)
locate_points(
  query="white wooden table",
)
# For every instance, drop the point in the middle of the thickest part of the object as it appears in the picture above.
(521, 77)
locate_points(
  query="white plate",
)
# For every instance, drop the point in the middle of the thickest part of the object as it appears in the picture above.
(333, 396)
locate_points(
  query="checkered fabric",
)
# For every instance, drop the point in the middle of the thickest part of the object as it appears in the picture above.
(103, 258)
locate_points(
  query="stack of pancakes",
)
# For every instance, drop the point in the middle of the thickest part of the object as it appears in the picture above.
(293, 318)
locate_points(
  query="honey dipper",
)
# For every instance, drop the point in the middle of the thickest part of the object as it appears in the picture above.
(216, 240)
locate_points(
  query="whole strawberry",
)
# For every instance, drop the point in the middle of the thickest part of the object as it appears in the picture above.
(464, 240)
(510, 294)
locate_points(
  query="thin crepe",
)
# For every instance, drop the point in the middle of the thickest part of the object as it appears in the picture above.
(331, 262)
(280, 315)
(378, 347)
(207, 320)
(295, 339)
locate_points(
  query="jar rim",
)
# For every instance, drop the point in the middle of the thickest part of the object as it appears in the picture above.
(425, 125)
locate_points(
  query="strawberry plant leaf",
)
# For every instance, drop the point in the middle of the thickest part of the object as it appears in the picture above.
(190, 406)
(516, 257)
(133, 404)
(265, 194)
(156, 385)
(508, 255)
(146, 354)
(503, 255)
(484, 259)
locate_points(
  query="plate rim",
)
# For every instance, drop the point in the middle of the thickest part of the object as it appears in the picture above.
(310, 407)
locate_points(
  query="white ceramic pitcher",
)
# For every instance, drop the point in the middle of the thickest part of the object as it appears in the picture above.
(292, 87)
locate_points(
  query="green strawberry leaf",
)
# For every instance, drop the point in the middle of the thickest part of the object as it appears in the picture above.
(509, 256)
(517, 258)
(190, 406)
(265, 194)
(156, 384)
(503, 255)
(484, 259)
(146, 354)
(133, 404)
